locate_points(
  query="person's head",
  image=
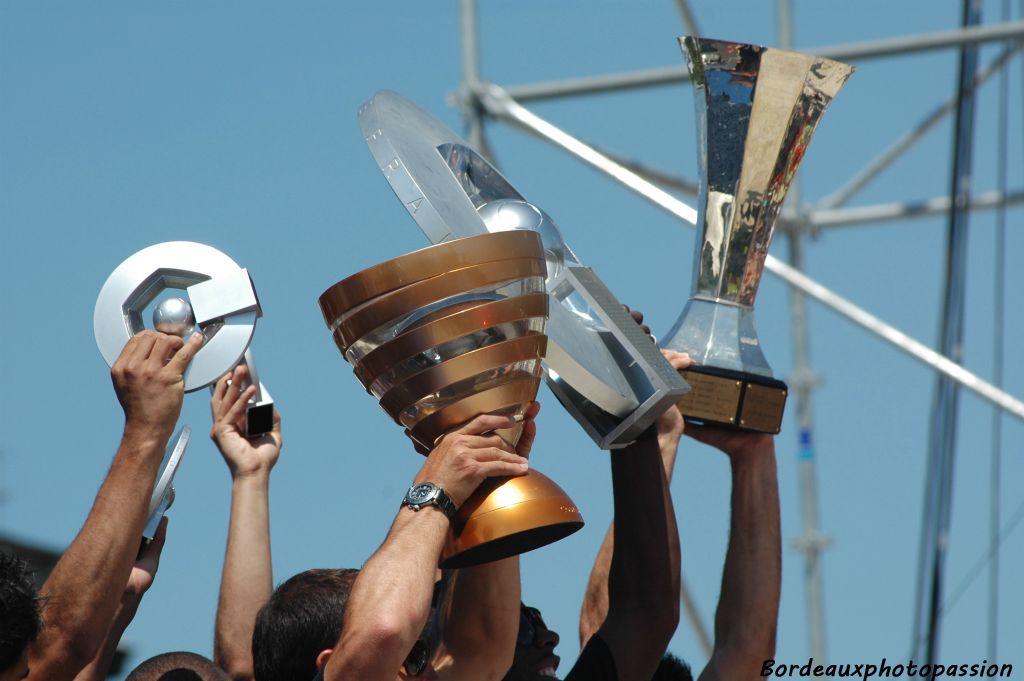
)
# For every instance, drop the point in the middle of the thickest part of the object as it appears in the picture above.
(297, 629)
(20, 621)
(180, 666)
(535, 648)
(671, 668)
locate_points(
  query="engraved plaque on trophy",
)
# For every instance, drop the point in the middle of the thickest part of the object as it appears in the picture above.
(604, 370)
(757, 108)
(442, 335)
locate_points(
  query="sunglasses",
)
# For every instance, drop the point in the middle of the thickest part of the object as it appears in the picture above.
(416, 661)
(529, 622)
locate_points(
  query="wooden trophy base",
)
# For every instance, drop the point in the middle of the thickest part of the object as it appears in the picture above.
(733, 399)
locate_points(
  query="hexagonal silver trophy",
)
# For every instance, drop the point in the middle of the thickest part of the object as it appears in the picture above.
(221, 305)
(604, 370)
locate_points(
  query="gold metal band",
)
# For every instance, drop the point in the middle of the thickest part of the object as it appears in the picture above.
(515, 393)
(410, 298)
(460, 368)
(481, 316)
(424, 264)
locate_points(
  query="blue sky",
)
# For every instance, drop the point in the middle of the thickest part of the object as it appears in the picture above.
(234, 124)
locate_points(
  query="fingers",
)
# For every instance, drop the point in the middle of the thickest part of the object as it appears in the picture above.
(151, 554)
(179, 362)
(678, 360)
(638, 317)
(231, 393)
(495, 469)
(217, 399)
(486, 423)
(525, 444)
(237, 408)
(136, 350)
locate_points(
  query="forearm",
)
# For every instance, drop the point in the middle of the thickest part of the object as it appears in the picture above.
(84, 590)
(247, 580)
(390, 600)
(595, 602)
(99, 668)
(643, 578)
(482, 623)
(747, 612)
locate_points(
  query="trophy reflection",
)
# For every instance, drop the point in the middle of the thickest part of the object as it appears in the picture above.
(756, 109)
(442, 335)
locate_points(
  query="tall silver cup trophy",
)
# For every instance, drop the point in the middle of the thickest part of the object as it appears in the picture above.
(756, 108)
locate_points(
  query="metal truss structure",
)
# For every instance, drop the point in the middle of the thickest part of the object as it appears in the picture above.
(480, 100)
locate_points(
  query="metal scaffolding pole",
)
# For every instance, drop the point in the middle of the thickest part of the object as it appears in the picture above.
(812, 541)
(472, 115)
(668, 75)
(498, 104)
(873, 169)
(884, 212)
(945, 408)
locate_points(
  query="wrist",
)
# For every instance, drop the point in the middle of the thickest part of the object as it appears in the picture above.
(137, 435)
(252, 475)
(256, 480)
(753, 451)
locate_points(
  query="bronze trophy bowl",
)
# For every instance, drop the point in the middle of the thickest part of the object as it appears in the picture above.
(446, 333)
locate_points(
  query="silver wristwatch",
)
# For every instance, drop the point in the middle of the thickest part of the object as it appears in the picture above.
(427, 493)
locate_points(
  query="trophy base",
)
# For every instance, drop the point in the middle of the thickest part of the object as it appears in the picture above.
(509, 516)
(733, 399)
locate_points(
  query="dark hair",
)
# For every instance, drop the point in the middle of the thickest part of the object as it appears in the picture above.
(180, 666)
(19, 610)
(671, 668)
(302, 618)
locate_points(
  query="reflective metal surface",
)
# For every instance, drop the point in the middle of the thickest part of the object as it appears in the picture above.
(204, 273)
(259, 412)
(612, 381)
(442, 335)
(163, 489)
(174, 316)
(757, 108)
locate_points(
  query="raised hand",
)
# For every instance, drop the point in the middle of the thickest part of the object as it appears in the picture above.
(149, 381)
(244, 456)
(468, 455)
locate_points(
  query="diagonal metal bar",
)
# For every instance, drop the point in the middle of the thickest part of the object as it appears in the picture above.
(686, 14)
(861, 179)
(850, 52)
(882, 212)
(497, 103)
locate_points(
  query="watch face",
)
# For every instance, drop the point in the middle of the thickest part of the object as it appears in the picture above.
(422, 493)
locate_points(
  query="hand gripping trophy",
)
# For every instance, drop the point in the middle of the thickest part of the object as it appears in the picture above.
(446, 333)
(221, 304)
(757, 108)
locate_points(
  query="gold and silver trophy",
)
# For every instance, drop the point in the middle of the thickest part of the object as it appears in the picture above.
(442, 335)
(603, 369)
(757, 108)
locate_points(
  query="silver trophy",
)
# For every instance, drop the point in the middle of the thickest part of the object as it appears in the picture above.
(604, 370)
(757, 108)
(163, 490)
(221, 304)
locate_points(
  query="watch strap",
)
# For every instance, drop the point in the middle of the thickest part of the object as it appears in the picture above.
(440, 499)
